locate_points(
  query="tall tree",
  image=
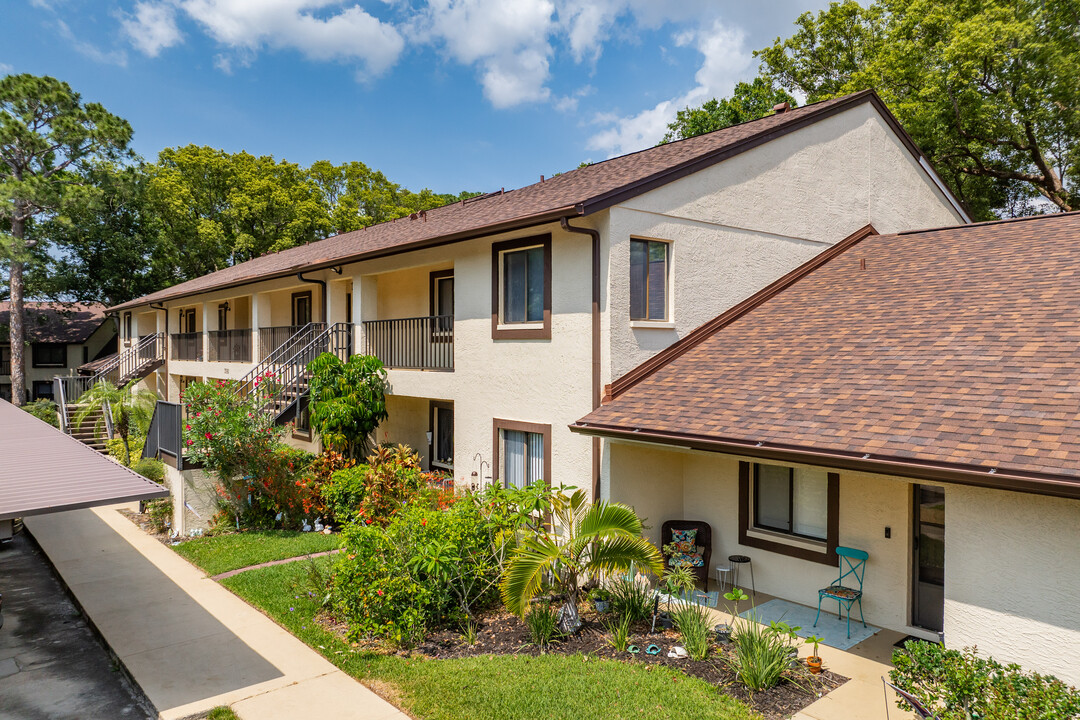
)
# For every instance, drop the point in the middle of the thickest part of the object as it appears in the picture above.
(47, 136)
(988, 89)
(749, 101)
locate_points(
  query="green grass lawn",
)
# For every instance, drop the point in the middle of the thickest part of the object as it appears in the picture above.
(490, 687)
(221, 553)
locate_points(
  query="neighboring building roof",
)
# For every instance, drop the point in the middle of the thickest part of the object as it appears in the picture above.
(43, 470)
(577, 192)
(949, 354)
(49, 322)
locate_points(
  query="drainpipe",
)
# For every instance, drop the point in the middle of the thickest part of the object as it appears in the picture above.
(301, 278)
(160, 306)
(595, 235)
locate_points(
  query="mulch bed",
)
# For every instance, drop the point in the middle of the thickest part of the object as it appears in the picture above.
(501, 633)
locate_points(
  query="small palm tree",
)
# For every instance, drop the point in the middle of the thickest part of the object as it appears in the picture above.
(583, 539)
(131, 410)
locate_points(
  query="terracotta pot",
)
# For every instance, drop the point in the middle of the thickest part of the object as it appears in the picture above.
(814, 663)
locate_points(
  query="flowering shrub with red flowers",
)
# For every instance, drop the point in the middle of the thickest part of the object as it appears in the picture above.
(317, 475)
(237, 442)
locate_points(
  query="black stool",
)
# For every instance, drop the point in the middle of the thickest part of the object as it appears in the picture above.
(736, 561)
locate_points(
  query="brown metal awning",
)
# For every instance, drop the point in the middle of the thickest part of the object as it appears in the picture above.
(42, 470)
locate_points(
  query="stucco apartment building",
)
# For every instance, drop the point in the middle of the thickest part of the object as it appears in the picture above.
(501, 319)
(61, 337)
(914, 396)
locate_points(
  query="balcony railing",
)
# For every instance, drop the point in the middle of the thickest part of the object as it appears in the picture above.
(421, 343)
(187, 346)
(229, 345)
(271, 338)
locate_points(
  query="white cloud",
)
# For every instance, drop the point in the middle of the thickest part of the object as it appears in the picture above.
(5, 68)
(115, 57)
(152, 28)
(726, 59)
(320, 29)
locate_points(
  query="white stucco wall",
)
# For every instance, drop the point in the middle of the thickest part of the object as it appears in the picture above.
(1013, 578)
(739, 225)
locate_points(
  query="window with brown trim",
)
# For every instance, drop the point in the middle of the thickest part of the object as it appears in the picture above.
(441, 427)
(521, 452)
(521, 289)
(49, 355)
(127, 326)
(649, 261)
(777, 501)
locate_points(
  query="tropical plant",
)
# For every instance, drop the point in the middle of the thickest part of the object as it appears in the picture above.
(130, 411)
(348, 401)
(542, 621)
(762, 655)
(631, 597)
(43, 409)
(620, 633)
(583, 539)
(692, 622)
(815, 641)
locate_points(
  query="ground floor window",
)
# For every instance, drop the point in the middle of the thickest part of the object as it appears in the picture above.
(800, 503)
(43, 389)
(522, 453)
(5, 392)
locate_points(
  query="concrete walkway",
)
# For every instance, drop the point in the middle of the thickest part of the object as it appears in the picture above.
(189, 643)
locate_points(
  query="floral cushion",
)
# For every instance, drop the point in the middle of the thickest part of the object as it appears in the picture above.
(688, 559)
(684, 540)
(842, 593)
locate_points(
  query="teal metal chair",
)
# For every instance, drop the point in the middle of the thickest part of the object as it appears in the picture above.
(852, 565)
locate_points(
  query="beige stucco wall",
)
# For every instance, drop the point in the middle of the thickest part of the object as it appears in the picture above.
(739, 225)
(1013, 578)
(406, 424)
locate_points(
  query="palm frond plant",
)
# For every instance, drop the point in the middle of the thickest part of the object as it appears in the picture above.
(582, 540)
(130, 411)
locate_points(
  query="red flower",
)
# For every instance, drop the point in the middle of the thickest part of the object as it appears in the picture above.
(190, 442)
(187, 427)
(209, 436)
(423, 523)
(380, 592)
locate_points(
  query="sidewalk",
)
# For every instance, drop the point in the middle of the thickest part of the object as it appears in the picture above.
(189, 643)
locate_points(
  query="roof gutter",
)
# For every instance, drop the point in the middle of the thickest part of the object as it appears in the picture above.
(596, 390)
(1034, 483)
(494, 229)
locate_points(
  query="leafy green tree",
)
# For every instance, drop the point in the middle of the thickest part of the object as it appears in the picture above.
(47, 136)
(348, 401)
(44, 409)
(107, 250)
(749, 101)
(584, 538)
(988, 89)
(130, 411)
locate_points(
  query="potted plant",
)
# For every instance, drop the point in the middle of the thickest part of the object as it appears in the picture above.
(814, 661)
(601, 599)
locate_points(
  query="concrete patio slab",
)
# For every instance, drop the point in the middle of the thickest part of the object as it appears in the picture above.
(189, 643)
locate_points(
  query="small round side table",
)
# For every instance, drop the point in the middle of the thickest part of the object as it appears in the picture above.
(723, 577)
(736, 561)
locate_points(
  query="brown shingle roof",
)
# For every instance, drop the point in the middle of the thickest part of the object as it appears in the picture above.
(577, 192)
(55, 322)
(956, 348)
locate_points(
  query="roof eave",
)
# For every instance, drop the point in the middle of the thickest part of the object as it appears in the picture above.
(493, 229)
(993, 478)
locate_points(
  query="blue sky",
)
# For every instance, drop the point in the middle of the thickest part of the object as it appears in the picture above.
(446, 94)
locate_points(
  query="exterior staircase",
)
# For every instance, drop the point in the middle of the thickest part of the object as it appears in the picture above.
(87, 431)
(135, 363)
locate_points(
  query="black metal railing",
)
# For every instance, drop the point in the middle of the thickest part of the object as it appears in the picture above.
(272, 338)
(420, 343)
(164, 436)
(229, 345)
(187, 346)
(5, 367)
(136, 361)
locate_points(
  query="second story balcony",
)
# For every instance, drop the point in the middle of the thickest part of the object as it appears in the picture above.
(187, 346)
(229, 345)
(419, 343)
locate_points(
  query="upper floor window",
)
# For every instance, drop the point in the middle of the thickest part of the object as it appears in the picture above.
(127, 326)
(521, 288)
(49, 355)
(649, 280)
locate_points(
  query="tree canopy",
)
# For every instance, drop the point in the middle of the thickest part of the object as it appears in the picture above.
(749, 101)
(987, 89)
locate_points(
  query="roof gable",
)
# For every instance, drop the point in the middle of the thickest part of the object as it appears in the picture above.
(48, 322)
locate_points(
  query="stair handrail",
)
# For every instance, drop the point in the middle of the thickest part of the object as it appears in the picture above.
(335, 338)
(279, 356)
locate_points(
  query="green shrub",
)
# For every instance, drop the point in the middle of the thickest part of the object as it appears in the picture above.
(426, 568)
(762, 654)
(150, 469)
(542, 620)
(958, 685)
(44, 409)
(631, 598)
(692, 621)
(620, 633)
(115, 447)
(344, 493)
(160, 512)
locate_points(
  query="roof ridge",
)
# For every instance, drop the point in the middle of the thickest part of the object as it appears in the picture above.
(699, 334)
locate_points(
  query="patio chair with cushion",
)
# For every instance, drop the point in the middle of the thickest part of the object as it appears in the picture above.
(853, 567)
(692, 540)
